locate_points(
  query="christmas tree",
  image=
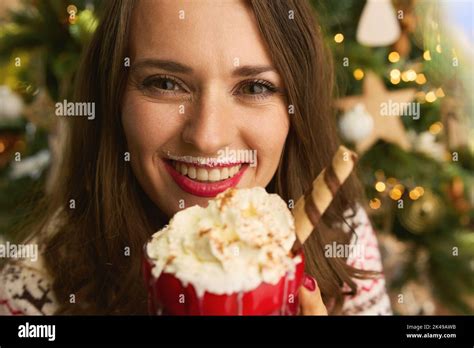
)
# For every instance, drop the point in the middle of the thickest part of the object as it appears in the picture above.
(40, 47)
(405, 75)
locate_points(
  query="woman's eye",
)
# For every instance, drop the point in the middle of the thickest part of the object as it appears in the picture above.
(258, 89)
(163, 84)
(254, 88)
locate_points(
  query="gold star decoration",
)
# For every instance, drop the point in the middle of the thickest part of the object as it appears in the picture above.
(377, 101)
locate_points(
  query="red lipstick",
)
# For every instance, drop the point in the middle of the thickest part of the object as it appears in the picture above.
(201, 188)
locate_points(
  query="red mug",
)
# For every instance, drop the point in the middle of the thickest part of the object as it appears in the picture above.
(167, 295)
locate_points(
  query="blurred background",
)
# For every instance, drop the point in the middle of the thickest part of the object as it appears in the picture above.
(417, 168)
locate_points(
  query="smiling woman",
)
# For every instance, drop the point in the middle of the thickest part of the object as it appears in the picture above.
(197, 85)
(207, 78)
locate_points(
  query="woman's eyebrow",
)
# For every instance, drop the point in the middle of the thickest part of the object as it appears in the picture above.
(168, 65)
(252, 70)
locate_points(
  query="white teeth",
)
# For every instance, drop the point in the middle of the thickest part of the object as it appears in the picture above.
(214, 175)
(224, 173)
(203, 174)
(192, 172)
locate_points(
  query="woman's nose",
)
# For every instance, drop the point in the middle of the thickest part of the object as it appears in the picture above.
(209, 125)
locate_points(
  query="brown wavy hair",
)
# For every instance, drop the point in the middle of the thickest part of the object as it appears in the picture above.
(86, 253)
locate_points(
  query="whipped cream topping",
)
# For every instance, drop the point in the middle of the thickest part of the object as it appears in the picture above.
(241, 239)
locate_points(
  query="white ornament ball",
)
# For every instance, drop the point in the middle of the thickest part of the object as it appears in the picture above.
(356, 124)
(426, 143)
(11, 105)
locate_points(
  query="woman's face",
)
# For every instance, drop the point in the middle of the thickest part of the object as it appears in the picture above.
(204, 108)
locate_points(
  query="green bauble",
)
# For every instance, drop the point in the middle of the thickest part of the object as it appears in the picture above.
(424, 214)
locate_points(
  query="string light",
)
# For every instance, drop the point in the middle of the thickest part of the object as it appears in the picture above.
(427, 55)
(404, 76)
(420, 190)
(395, 81)
(430, 97)
(395, 76)
(411, 75)
(420, 79)
(414, 195)
(380, 186)
(338, 38)
(375, 203)
(72, 10)
(439, 93)
(394, 57)
(358, 74)
(436, 127)
(395, 194)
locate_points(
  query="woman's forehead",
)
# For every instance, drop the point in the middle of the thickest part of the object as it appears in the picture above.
(199, 31)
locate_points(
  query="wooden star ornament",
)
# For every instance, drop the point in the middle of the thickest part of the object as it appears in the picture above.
(377, 101)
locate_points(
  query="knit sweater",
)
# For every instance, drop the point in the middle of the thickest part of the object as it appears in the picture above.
(25, 286)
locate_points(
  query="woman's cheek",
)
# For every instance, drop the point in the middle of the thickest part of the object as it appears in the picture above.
(268, 136)
(148, 125)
